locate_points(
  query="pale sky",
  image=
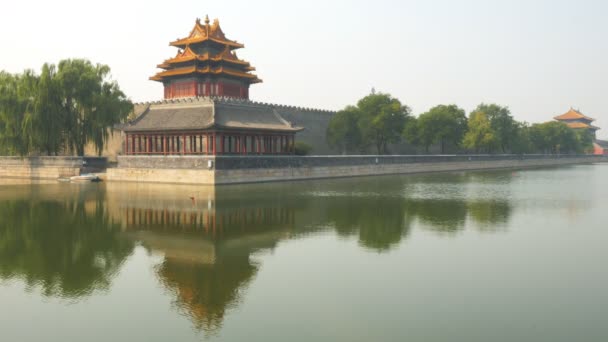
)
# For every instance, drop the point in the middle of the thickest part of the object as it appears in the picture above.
(537, 57)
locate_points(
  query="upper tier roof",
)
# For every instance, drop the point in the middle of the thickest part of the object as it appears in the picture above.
(203, 33)
(573, 114)
(187, 55)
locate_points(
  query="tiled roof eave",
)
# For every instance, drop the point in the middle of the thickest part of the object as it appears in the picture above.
(259, 129)
(209, 127)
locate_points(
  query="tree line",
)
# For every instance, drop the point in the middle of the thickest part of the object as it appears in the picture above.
(59, 110)
(379, 120)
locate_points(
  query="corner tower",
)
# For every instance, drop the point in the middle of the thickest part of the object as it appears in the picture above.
(206, 65)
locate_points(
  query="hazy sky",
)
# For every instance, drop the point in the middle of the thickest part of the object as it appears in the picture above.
(537, 57)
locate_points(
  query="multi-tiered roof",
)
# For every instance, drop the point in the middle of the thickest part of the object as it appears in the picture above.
(206, 65)
(577, 120)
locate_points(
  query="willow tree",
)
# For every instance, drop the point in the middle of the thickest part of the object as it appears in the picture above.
(17, 100)
(91, 103)
(48, 118)
(62, 109)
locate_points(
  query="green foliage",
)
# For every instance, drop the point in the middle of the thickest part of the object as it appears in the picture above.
(382, 120)
(16, 107)
(91, 103)
(480, 135)
(521, 142)
(502, 123)
(556, 137)
(585, 141)
(377, 120)
(302, 148)
(445, 125)
(63, 107)
(343, 131)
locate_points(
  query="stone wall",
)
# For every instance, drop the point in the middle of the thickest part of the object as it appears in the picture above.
(40, 167)
(315, 123)
(232, 170)
(168, 176)
(113, 146)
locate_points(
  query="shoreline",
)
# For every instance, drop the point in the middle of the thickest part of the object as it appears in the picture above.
(226, 170)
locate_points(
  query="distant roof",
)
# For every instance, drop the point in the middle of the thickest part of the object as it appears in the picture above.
(208, 113)
(573, 114)
(580, 125)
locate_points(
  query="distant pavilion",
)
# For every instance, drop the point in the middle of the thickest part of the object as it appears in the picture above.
(206, 110)
(576, 120)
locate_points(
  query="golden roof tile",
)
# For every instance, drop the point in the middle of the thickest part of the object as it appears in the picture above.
(202, 33)
(581, 125)
(573, 114)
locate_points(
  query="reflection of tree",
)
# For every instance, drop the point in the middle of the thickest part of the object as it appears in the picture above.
(490, 215)
(206, 291)
(379, 221)
(439, 215)
(68, 249)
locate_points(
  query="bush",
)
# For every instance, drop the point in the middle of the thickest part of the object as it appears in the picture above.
(302, 148)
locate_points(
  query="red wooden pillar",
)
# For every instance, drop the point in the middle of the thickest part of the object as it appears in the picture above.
(126, 148)
(183, 147)
(222, 144)
(214, 144)
(208, 146)
(132, 143)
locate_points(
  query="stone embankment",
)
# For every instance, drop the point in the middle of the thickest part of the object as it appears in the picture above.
(49, 167)
(252, 169)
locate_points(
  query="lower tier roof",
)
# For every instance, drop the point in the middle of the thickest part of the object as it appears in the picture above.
(208, 114)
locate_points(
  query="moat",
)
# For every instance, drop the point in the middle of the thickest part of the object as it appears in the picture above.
(466, 256)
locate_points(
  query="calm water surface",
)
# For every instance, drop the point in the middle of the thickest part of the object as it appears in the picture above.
(488, 256)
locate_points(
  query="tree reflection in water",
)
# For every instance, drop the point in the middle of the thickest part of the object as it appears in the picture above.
(67, 247)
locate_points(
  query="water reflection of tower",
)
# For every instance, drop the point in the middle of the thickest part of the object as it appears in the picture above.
(206, 244)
